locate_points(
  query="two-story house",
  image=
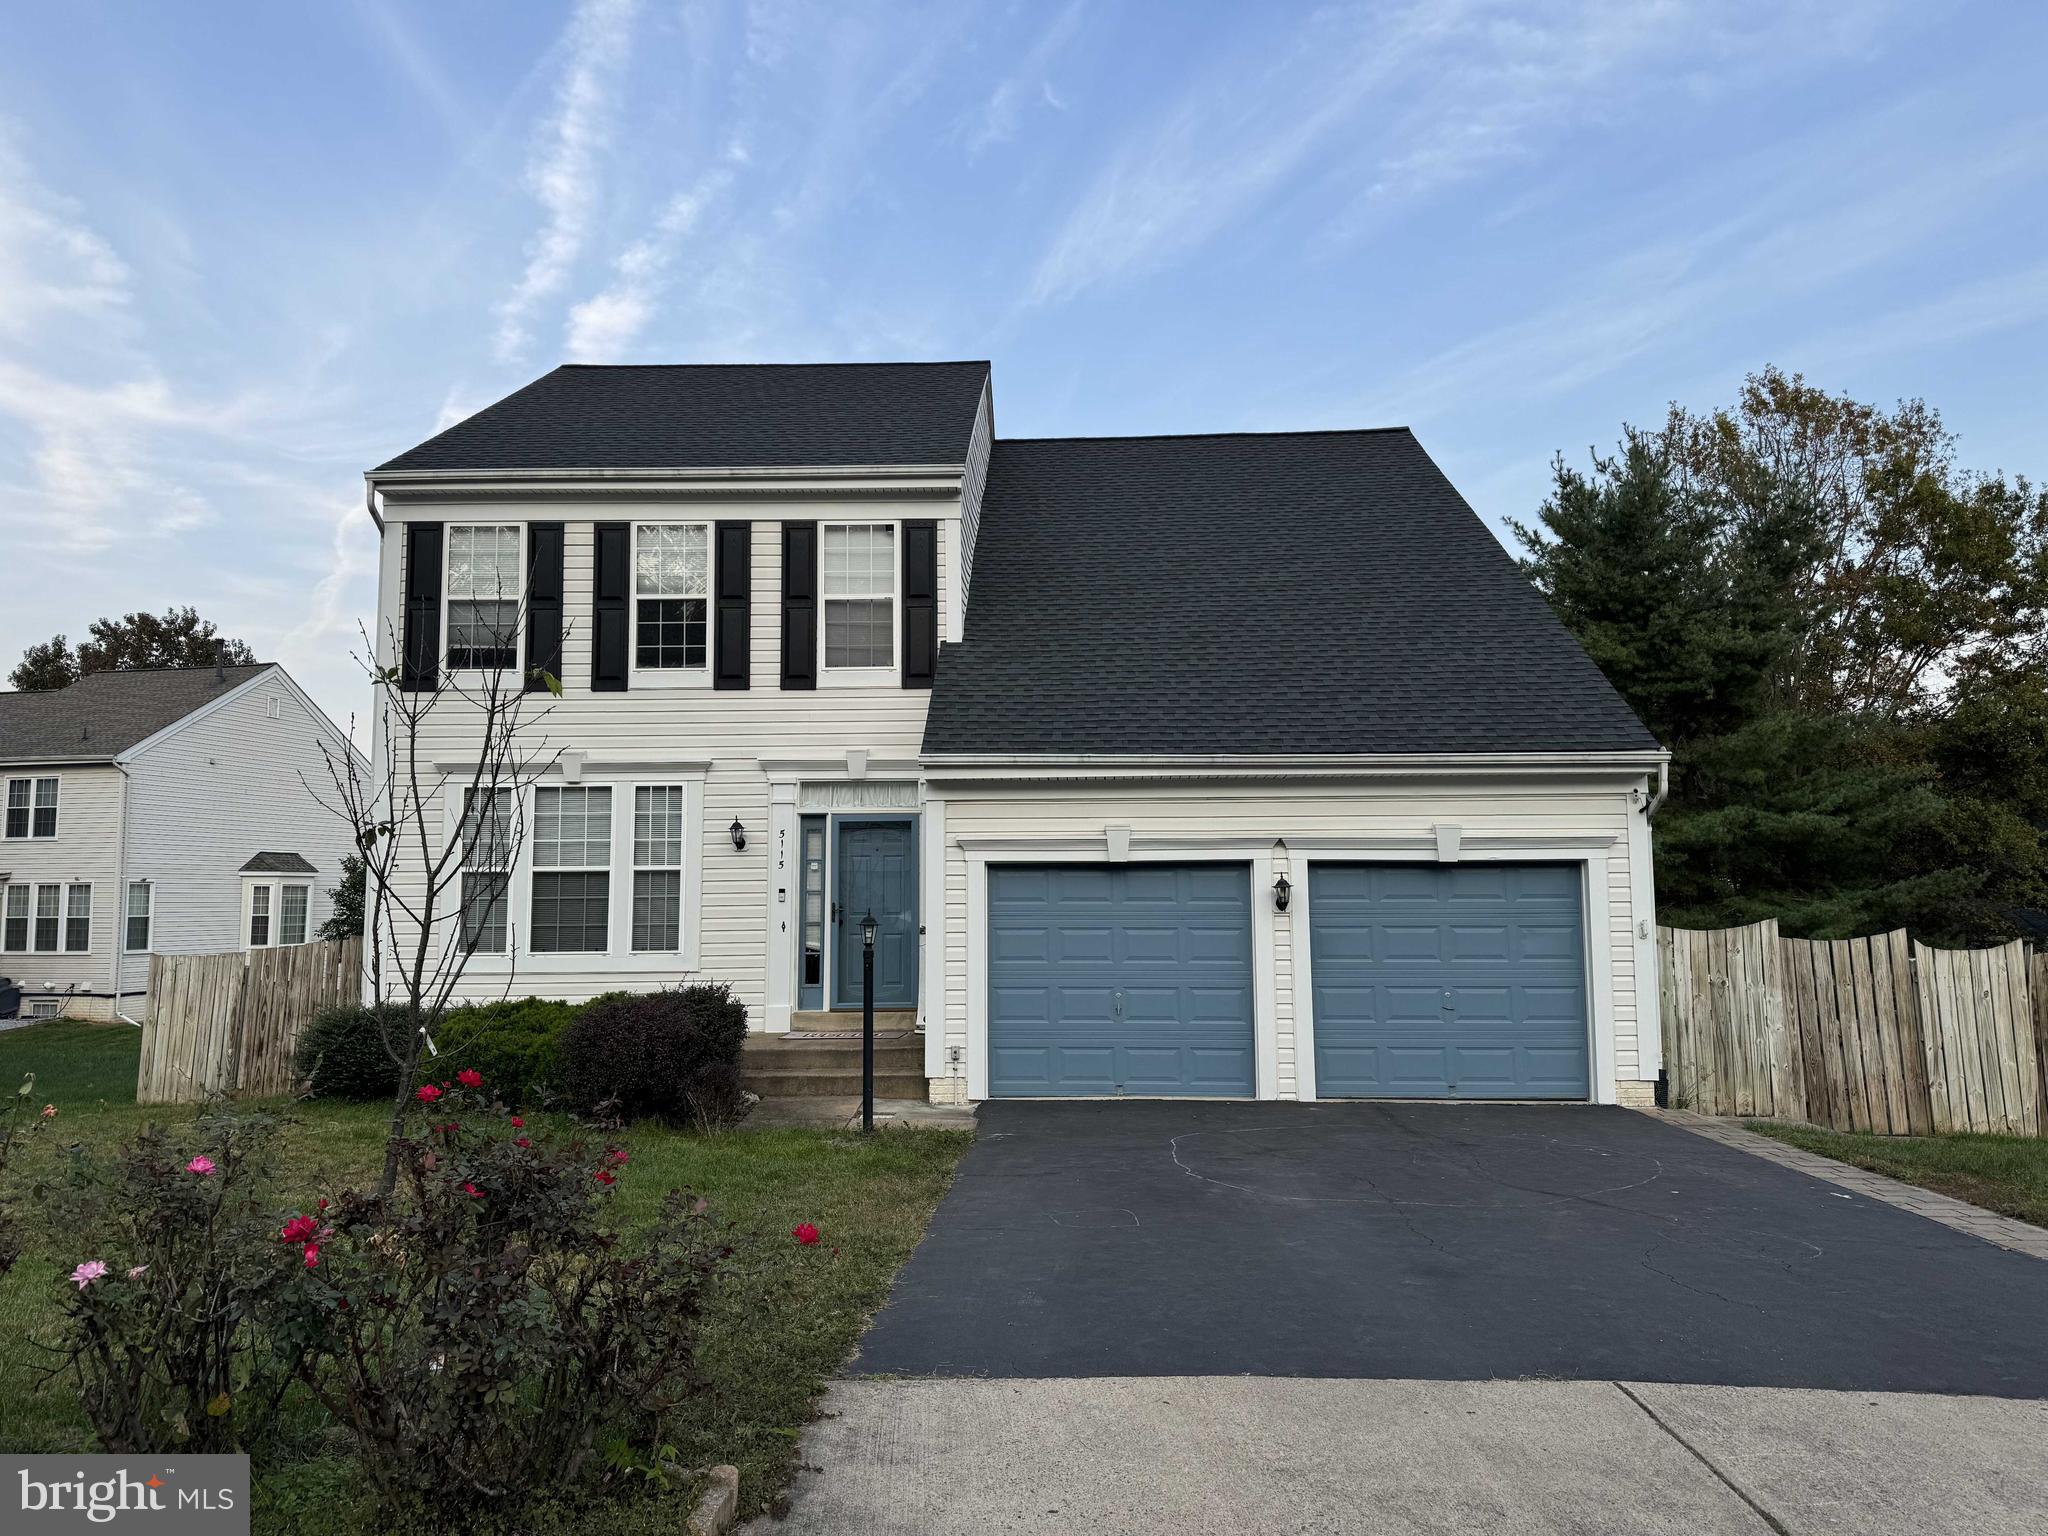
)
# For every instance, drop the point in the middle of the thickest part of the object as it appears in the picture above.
(1242, 765)
(168, 811)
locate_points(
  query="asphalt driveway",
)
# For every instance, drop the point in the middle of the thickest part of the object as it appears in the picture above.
(1442, 1242)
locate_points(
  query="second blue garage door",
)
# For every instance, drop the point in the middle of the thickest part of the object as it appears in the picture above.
(1120, 979)
(1448, 981)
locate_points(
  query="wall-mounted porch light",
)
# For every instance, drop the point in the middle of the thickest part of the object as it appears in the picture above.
(739, 836)
(1281, 891)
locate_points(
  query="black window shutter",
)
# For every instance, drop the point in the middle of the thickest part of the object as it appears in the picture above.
(420, 666)
(920, 603)
(799, 605)
(731, 603)
(543, 603)
(609, 629)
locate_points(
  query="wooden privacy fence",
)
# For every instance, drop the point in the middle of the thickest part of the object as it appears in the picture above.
(1877, 1034)
(226, 1024)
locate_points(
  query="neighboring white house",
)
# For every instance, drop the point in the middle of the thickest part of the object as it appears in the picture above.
(1241, 765)
(158, 811)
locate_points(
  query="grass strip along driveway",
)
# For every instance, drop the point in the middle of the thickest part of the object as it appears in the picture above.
(2006, 1174)
(782, 1320)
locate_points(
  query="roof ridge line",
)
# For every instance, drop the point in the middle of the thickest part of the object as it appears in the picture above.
(940, 362)
(1159, 437)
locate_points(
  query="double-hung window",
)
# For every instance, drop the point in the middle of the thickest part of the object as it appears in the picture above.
(658, 823)
(483, 597)
(259, 917)
(141, 902)
(31, 808)
(486, 834)
(14, 923)
(77, 919)
(572, 858)
(49, 908)
(857, 593)
(291, 913)
(671, 598)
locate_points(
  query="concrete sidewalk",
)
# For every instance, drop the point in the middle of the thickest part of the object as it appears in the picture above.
(1199, 1455)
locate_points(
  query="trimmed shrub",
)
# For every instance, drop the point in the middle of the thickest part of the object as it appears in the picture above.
(515, 1044)
(673, 1053)
(341, 1056)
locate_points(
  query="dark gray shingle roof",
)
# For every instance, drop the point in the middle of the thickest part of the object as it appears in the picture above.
(717, 415)
(105, 714)
(278, 864)
(1315, 592)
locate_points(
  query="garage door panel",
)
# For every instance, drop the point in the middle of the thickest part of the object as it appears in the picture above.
(1173, 940)
(1448, 981)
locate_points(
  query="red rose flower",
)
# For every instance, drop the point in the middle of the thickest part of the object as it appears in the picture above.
(519, 1123)
(428, 1093)
(618, 1157)
(522, 1141)
(323, 1204)
(472, 1191)
(469, 1077)
(805, 1233)
(605, 1176)
(312, 1255)
(299, 1229)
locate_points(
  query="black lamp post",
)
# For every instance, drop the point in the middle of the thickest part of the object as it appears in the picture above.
(867, 1021)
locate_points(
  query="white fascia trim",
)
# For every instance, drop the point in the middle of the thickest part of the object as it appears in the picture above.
(499, 481)
(593, 767)
(1403, 762)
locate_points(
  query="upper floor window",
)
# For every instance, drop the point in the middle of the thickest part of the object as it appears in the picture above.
(483, 597)
(671, 596)
(32, 807)
(857, 594)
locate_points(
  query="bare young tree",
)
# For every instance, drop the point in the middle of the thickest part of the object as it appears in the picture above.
(431, 901)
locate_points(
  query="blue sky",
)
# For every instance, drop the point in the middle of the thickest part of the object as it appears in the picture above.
(247, 251)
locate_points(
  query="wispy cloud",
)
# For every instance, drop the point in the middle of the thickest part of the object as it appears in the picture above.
(563, 172)
(604, 326)
(998, 119)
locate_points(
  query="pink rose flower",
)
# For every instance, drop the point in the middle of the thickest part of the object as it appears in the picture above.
(201, 1165)
(312, 1255)
(138, 1272)
(89, 1271)
(49, 1111)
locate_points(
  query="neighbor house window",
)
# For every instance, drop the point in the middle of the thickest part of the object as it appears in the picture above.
(31, 808)
(671, 592)
(49, 907)
(14, 929)
(572, 856)
(136, 938)
(486, 845)
(259, 916)
(483, 597)
(859, 595)
(78, 919)
(658, 867)
(291, 913)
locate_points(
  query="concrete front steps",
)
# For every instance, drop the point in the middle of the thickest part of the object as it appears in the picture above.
(888, 1021)
(800, 1065)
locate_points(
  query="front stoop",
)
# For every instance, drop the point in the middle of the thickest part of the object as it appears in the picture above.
(888, 1021)
(812, 1066)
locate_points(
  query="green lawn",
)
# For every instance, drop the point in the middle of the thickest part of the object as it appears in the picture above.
(2007, 1174)
(784, 1318)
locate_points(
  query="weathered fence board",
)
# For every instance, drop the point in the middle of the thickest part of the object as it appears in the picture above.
(1875, 1034)
(227, 1024)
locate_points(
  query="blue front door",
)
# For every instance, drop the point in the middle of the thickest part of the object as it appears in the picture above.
(877, 872)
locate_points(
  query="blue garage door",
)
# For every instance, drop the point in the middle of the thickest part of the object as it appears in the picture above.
(1448, 981)
(1124, 978)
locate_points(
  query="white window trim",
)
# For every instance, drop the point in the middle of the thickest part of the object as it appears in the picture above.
(28, 934)
(92, 913)
(890, 676)
(651, 678)
(149, 915)
(56, 805)
(473, 676)
(618, 957)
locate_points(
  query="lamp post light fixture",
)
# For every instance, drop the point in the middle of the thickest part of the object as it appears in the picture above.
(739, 836)
(1281, 892)
(867, 1021)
